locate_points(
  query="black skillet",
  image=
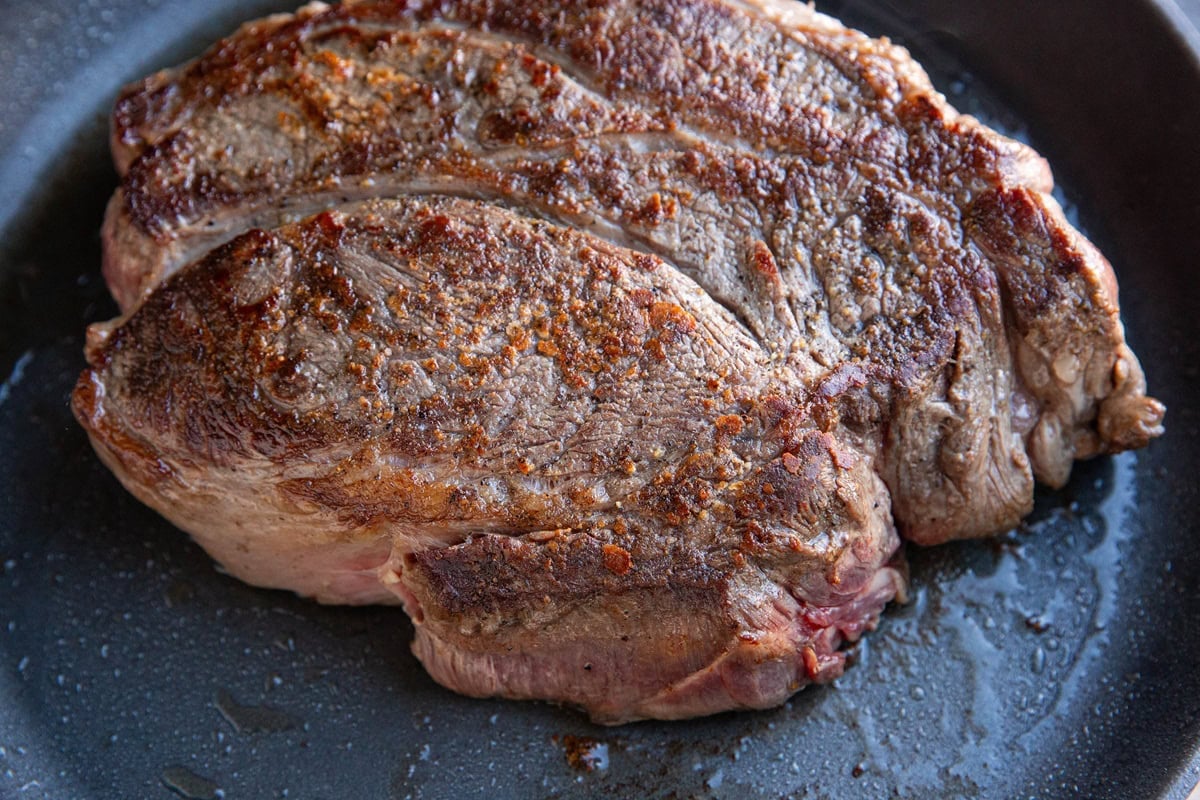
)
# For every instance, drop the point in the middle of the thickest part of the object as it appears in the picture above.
(1060, 660)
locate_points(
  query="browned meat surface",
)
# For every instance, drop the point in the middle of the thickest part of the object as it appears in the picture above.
(610, 338)
(557, 452)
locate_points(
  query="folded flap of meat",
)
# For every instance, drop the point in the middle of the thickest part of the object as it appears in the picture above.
(523, 432)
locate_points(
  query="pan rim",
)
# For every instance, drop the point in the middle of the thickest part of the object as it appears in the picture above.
(12, 217)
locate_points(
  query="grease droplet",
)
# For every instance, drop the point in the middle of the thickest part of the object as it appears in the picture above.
(252, 719)
(186, 783)
(1038, 661)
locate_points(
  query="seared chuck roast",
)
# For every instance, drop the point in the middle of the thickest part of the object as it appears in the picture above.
(610, 338)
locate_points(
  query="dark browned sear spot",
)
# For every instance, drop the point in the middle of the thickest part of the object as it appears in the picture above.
(617, 559)
(583, 753)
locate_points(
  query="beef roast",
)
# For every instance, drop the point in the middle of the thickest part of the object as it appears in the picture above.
(613, 339)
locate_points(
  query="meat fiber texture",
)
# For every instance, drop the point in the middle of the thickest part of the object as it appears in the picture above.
(619, 342)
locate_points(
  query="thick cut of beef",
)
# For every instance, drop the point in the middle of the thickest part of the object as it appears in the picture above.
(583, 479)
(615, 339)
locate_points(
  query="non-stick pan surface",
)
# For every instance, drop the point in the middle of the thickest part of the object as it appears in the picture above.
(1059, 660)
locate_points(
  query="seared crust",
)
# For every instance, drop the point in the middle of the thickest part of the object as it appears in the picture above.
(768, 248)
(396, 376)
